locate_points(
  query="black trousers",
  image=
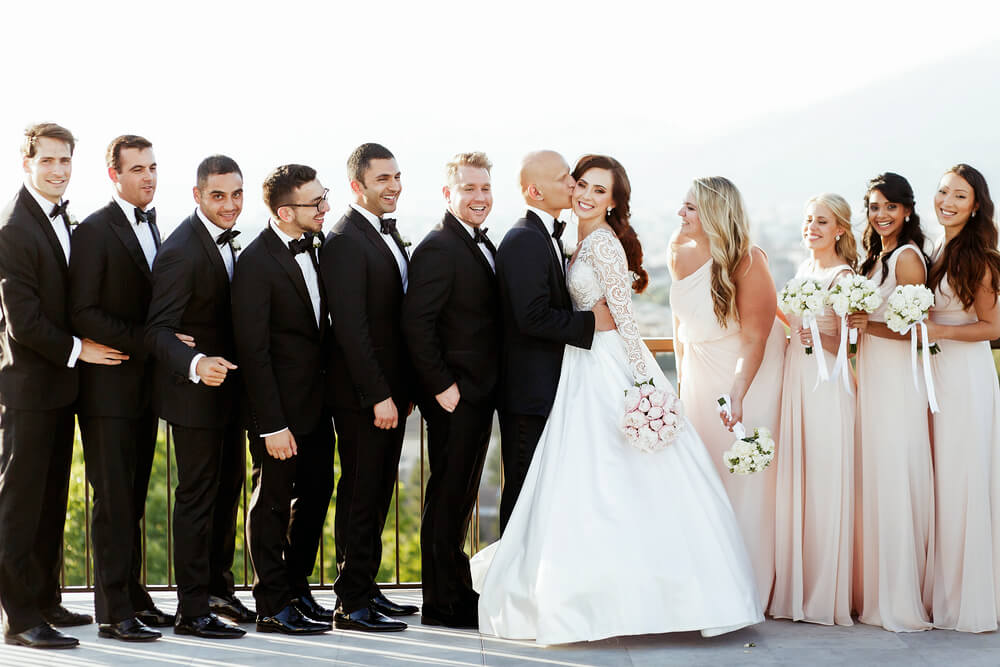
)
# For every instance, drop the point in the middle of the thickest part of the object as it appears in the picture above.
(36, 451)
(519, 436)
(211, 469)
(456, 446)
(369, 460)
(286, 516)
(119, 454)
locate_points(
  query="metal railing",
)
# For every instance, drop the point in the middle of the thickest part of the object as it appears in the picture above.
(321, 580)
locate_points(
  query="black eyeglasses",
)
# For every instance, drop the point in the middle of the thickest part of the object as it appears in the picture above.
(315, 205)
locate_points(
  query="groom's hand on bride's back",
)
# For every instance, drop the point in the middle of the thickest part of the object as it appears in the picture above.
(603, 321)
(386, 415)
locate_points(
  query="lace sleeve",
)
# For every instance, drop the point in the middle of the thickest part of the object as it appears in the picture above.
(611, 267)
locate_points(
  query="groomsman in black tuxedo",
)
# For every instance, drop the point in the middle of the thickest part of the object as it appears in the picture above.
(196, 389)
(281, 325)
(364, 269)
(38, 385)
(451, 318)
(538, 316)
(110, 288)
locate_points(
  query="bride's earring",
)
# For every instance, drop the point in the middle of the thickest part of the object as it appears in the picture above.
(608, 213)
(837, 238)
(906, 219)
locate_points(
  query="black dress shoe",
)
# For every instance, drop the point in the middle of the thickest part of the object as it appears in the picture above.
(61, 617)
(464, 618)
(208, 626)
(365, 620)
(41, 636)
(308, 607)
(232, 608)
(387, 607)
(129, 630)
(290, 621)
(155, 618)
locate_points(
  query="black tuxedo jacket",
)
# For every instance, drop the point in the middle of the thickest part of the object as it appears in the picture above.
(110, 288)
(368, 358)
(451, 315)
(280, 349)
(35, 338)
(191, 295)
(538, 318)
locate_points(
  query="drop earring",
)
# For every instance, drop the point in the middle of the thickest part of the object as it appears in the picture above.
(973, 214)
(837, 238)
(906, 219)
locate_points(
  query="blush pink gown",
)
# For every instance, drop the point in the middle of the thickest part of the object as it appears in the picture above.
(894, 481)
(814, 530)
(711, 354)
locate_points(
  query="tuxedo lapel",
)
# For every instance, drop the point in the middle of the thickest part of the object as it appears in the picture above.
(535, 222)
(211, 249)
(121, 227)
(451, 223)
(26, 200)
(286, 260)
(375, 238)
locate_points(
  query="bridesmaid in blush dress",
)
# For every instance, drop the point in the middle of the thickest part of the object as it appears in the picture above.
(965, 278)
(728, 341)
(815, 497)
(894, 477)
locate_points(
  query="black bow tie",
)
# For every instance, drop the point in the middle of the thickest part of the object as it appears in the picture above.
(226, 236)
(557, 229)
(480, 235)
(59, 209)
(145, 216)
(303, 244)
(388, 225)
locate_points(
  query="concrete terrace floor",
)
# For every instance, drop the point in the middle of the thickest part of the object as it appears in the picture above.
(770, 643)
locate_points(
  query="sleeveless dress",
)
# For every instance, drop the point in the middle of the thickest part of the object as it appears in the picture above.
(894, 481)
(966, 436)
(607, 540)
(815, 498)
(711, 354)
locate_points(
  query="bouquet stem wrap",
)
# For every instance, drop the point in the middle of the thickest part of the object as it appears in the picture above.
(738, 430)
(842, 366)
(822, 374)
(920, 329)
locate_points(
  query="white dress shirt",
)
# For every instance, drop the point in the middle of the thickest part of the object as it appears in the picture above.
(59, 227)
(388, 240)
(548, 221)
(482, 246)
(226, 252)
(143, 232)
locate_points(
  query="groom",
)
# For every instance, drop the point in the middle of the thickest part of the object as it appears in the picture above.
(538, 316)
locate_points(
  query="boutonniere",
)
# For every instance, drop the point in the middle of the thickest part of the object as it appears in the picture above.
(235, 246)
(317, 241)
(405, 241)
(73, 222)
(568, 253)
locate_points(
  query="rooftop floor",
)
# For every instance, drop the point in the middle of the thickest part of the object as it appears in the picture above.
(770, 643)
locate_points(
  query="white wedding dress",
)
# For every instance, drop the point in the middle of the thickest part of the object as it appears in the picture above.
(607, 540)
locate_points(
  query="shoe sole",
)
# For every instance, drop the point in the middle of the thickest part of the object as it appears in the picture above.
(111, 635)
(343, 626)
(16, 642)
(204, 636)
(268, 628)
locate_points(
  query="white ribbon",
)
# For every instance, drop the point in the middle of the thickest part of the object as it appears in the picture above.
(842, 366)
(853, 339)
(724, 402)
(928, 378)
(822, 375)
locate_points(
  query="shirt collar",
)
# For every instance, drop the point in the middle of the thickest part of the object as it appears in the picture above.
(127, 208)
(469, 228)
(43, 203)
(285, 238)
(369, 216)
(546, 218)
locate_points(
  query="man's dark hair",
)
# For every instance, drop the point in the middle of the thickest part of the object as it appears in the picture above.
(34, 132)
(283, 181)
(113, 157)
(216, 164)
(362, 158)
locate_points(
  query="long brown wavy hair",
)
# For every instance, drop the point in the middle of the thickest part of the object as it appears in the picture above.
(618, 217)
(897, 190)
(967, 257)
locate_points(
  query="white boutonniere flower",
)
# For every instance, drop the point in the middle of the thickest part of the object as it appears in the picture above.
(73, 221)
(405, 241)
(235, 246)
(317, 241)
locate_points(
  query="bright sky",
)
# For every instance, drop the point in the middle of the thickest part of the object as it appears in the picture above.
(269, 83)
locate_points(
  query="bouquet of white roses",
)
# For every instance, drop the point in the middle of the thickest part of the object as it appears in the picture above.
(854, 294)
(653, 417)
(750, 453)
(806, 298)
(906, 310)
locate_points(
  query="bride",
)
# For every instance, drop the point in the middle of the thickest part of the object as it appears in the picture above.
(605, 539)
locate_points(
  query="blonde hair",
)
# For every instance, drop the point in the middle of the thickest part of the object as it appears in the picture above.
(724, 220)
(847, 245)
(473, 159)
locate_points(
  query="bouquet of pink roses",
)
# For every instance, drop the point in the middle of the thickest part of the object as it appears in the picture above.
(653, 417)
